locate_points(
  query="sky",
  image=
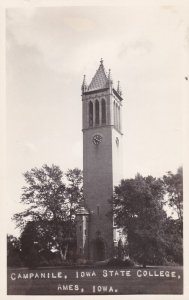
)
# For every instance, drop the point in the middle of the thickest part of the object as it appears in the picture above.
(48, 50)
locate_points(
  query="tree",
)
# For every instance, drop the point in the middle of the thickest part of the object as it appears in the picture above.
(138, 209)
(29, 237)
(74, 195)
(174, 243)
(13, 251)
(174, 226)
(174, 188)
(51, 203)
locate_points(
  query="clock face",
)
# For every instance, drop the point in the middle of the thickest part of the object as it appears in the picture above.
(97, 139)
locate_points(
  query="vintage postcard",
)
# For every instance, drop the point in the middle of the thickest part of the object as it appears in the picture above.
(94, 116)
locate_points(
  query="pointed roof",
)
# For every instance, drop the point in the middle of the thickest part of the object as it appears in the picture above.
(100, 80)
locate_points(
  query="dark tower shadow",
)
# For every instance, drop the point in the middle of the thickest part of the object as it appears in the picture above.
(99, 248)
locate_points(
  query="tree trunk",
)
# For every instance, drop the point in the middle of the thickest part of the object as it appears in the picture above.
(65, 252)
(61, 255)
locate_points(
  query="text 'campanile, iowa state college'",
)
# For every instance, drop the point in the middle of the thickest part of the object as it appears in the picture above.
(102, 165)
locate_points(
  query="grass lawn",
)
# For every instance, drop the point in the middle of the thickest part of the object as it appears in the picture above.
(91, 281)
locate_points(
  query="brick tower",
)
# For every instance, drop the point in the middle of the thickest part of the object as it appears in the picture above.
(102, 161)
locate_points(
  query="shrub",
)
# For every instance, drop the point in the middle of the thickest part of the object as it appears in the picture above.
(13, 260)
(32, 260)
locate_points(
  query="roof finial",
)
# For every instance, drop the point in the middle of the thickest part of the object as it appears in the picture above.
(109, 82)
(119, 88)
(84, 84)
(101, 61)
(109, 75)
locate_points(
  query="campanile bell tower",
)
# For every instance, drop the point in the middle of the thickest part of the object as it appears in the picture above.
(102, 158)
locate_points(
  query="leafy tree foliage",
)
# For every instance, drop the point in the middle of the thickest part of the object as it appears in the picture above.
(29, 245)
(138, 208)
(51, 200)
(174, 226)
(30, 238)
(174, 242)
(174, 188)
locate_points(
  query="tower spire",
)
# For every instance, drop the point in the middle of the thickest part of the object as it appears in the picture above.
(100, 79)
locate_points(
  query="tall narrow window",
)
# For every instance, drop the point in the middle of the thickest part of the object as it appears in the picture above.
(90, 114)
(103, 111)
(96, 112)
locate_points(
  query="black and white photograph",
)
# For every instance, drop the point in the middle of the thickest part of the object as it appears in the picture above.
(94, 147)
